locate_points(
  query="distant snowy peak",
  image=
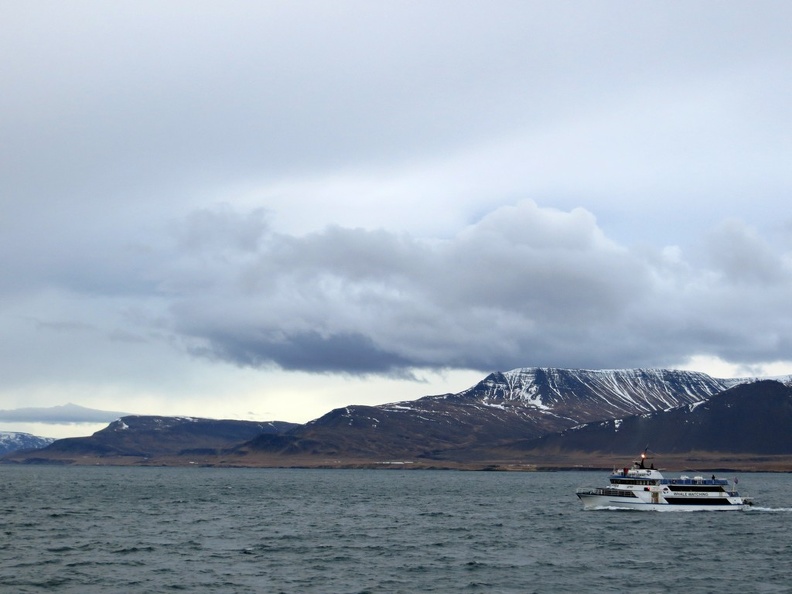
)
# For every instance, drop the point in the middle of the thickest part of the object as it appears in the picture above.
(736, 381)
(66, 413)
(11, 441)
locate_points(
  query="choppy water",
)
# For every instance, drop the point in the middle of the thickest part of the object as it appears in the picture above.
(353, 531)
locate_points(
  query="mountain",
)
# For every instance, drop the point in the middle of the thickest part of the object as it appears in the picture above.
(11, 441)
(754, 417)
(138, 437)
(66, 413)
(503, 407)
(545, 415)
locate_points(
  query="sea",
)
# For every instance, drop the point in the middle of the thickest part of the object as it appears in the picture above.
(206, 530)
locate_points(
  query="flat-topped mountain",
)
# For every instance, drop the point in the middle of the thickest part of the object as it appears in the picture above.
(143, 437)
(503, 407)
(64, 413)
(754, 417)
(580, 393)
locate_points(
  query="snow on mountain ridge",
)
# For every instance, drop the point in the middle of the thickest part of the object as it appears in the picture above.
(591, 394)
(735, 381)
(11, 441)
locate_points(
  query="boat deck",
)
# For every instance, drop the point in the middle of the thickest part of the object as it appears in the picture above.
(683, 481)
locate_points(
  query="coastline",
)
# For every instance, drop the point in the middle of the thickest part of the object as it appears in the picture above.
(718, 462)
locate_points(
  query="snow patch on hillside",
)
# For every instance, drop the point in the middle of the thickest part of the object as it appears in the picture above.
(11, 441)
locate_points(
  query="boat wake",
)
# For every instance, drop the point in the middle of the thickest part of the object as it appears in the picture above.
(755, 508)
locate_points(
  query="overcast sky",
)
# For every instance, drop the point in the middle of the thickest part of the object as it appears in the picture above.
(266, 210)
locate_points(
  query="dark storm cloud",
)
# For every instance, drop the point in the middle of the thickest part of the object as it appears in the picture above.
(305, 351)
(523, 284)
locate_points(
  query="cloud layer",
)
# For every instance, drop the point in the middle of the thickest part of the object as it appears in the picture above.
(379, 190)
(524, 284)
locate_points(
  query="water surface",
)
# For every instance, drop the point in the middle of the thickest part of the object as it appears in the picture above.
(98, 529)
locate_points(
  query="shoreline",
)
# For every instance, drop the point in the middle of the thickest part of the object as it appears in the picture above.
(677, 463)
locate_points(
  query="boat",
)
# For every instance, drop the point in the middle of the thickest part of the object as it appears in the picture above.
(647, 489)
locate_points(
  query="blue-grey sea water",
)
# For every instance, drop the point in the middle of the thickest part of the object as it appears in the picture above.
(96, 529)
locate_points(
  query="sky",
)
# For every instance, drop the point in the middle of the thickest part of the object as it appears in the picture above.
(268, 210)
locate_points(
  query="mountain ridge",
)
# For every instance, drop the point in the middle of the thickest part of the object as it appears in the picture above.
(503, 407)
(62, 413)
(12, 441)
(143, 437)
(752, 417)
(485, 424)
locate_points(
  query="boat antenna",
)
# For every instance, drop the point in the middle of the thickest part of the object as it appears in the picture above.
(644, 455)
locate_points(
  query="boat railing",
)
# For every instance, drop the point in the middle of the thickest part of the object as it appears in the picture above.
(606, 491)
(694, 481)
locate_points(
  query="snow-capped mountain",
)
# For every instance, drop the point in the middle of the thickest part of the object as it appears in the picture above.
(597, 394)
(519, 404)
(11, 441)
(489, 422)
(750, 417)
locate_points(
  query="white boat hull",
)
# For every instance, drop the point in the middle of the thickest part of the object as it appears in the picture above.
(592, 501)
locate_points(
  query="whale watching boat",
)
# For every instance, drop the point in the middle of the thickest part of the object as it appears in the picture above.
(645, 488)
